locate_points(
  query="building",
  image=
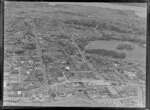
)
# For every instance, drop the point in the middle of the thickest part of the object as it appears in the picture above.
(60, 78)
(14, 94)
(67, 68)
(62, 61)
(30, 62)
(19, 92)
(112, 90)
(129, 74)
(99, 82)
(5, 84)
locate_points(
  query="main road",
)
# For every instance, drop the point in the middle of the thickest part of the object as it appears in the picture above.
(40, 55)
(82, 54)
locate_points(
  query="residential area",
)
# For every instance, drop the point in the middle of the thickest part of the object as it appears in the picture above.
(47, 60)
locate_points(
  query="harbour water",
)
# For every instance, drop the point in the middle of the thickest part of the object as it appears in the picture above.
(140, 11)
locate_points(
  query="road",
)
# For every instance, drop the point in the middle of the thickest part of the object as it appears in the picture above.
(88, 63)
(140, 97)
(69, 58)
(40, 56)
(82, 54)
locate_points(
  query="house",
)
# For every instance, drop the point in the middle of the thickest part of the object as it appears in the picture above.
(5, 83)
(14, 78)
(26, 93)
(17, 68)
(40, 38)
(112, 90)
(29, 68)
(61, 94)
(67, 68)
(104, 96)
(15, 72)
(92, 93)
(6, 73)
(95, 96)
(63, 61)
(28, 72)
(100, 82)
(132, 74)
(13, 94)
(115, 64)
(30, 62)
(75, 84)
(22, 62)
(60, 78)
(52, 95)
(129, 74)
(19, 92)
(38, 68)
(31, 77)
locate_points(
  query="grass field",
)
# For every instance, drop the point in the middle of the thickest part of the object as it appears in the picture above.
(137, 55)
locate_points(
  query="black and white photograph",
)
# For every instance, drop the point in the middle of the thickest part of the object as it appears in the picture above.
(75, 54)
